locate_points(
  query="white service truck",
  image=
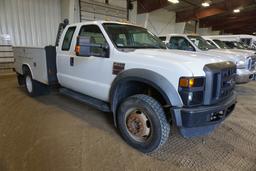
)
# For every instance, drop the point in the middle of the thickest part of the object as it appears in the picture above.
(245, 61)
(126, 70)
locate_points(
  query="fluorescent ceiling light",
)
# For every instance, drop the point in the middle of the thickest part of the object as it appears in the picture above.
(236, 10)
(205, 4)
(174, 1)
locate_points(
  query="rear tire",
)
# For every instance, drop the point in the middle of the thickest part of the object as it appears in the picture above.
(20, 79)
(34, 88)
(142, 123)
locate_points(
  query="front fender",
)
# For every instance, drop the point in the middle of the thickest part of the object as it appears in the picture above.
(160, 83)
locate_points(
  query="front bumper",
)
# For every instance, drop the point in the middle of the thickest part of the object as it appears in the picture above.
(200, 121)
(244, 75)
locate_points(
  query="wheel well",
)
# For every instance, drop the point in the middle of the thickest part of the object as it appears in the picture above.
(130, 88)
(25, 68)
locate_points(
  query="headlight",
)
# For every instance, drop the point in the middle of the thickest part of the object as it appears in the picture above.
(191, 90)
(240, 65)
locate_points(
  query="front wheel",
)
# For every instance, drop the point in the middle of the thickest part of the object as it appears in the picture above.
(142, 123)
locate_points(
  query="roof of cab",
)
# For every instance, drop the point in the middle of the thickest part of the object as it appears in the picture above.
(98, 22)
(178, 35)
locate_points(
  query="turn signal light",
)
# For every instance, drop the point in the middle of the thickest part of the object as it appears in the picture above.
(77, 49)
(187, 82)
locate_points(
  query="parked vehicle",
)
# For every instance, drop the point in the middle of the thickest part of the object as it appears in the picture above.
(124, 69)
(245, 61)
(248, 40)
(238, 45)
(222, 45)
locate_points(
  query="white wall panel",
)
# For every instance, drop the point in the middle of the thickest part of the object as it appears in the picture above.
(29, 22)
(159, 22)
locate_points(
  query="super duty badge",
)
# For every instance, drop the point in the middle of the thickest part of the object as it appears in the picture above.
(117, 68)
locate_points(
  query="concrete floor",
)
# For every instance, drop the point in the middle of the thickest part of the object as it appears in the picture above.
(56, 133)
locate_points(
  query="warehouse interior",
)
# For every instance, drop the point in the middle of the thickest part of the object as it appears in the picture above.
(56, 132)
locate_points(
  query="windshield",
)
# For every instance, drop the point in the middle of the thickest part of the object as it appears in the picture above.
(221, 44)
(239, 45)
(128, 36)
(201, 43)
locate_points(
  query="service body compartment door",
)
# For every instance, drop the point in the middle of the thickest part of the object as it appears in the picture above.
(35, 59)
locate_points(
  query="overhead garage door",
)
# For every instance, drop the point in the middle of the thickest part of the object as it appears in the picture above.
(103, 10)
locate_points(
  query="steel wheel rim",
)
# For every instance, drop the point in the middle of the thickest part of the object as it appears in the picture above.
(138, 125)
(29, 83)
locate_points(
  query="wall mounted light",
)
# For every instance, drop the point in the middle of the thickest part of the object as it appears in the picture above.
(174, 1)
(236, 10)
(206, 4)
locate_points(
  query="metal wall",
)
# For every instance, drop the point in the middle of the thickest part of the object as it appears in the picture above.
(99, 10)
(29, 22)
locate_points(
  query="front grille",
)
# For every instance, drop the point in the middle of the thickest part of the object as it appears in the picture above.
(251, 62)
(220, 81)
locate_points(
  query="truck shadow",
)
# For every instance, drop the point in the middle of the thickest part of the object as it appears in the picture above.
(80, 110)
(232, 145)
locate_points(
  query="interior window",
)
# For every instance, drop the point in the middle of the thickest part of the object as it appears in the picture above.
(68, 38)
(210, 42)
(146, 38)
(246, 41)
(180, 43)
(121, 40)
(163, 38)
(96, 37)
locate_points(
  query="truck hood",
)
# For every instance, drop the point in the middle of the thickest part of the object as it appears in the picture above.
(249, 52)
(191, 60)
(229, 55)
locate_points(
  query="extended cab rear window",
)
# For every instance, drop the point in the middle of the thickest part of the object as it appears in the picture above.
(163, 38)
(68, 38)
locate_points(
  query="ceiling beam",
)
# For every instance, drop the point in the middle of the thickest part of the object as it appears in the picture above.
(245, 29)
(235, 23)
(219, 20)
(239, 31)
(215, 9)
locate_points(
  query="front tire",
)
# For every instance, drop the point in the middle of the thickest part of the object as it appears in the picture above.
(142, 123)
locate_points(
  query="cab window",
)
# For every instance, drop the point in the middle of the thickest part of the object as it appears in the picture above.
(163, 38)
(96, 37)
(68, 38)
(180, 43)
(211, 43)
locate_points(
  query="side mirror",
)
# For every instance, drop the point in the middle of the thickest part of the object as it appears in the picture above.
(85, 47)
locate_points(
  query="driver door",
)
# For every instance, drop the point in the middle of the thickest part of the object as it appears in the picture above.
(91, 75)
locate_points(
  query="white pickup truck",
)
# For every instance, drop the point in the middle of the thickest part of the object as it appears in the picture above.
(222, 45)
(124, 69)
(245, 61)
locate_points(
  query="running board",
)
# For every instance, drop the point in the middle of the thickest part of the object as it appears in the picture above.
(98, 104)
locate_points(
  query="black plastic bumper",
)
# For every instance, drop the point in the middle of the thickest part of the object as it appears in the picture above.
(201, 121)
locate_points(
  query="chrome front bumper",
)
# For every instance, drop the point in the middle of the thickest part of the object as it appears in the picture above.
(244, 75)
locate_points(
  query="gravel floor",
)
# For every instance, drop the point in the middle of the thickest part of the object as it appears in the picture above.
(57, 133)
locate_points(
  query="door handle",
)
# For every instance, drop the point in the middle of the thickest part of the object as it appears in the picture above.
(71, 61)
